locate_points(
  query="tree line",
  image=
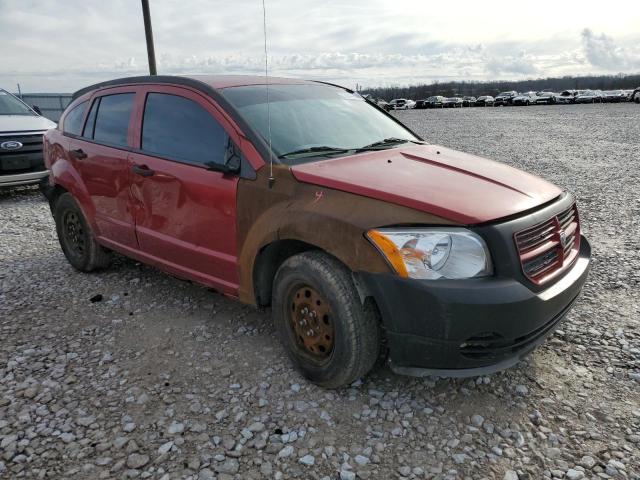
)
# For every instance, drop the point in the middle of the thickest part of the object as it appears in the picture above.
(476, 88)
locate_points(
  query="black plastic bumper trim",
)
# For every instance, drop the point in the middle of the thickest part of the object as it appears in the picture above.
(429, 324)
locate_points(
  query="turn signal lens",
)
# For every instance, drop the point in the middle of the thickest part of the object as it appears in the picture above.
(389, 251)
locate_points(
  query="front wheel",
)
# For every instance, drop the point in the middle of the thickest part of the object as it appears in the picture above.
(331, 337)
(75, 237)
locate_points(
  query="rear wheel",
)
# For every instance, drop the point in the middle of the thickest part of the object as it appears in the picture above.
(75, 236)
(331, 337)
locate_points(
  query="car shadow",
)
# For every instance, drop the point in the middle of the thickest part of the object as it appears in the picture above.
(16, 193)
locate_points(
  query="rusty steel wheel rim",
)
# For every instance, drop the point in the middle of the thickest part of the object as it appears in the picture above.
(311, 322)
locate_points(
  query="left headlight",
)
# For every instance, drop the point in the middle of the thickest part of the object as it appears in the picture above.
(452, 253)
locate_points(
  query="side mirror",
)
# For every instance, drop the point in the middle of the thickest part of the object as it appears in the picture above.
(232, 160)
(36, 109)
(222, 167)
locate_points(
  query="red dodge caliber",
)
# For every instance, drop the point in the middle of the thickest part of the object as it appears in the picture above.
(366, 241)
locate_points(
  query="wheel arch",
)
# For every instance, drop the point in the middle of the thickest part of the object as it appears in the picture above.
(66, 179)
(268, 261)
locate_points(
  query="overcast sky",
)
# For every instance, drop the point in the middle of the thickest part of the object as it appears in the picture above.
(60, 46)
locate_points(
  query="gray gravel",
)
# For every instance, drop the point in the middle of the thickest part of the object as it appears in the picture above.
(163, 379)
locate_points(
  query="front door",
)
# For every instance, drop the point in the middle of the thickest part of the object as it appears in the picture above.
(100, 156)
(185, 213)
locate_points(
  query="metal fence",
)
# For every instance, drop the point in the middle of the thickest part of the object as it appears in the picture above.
(51, 104)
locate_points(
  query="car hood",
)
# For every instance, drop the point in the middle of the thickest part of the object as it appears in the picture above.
(24, 123)
(453, 185)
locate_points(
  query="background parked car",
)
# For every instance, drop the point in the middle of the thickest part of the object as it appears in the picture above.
(635, 96)
(505, 98)
(399, 104)
(436, 101)
(546, 98)
(382, 103)
(469, 101)
(21, 130)
(567, 96)
(588, 96)
(614, 96)
(420, 104)
(376, 101)
(452, 102)
(526, 98)
(485, 101)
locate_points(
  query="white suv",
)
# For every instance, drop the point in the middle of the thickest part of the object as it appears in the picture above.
(21, 130)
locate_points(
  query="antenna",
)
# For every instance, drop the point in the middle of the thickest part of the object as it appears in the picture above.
(266, 76)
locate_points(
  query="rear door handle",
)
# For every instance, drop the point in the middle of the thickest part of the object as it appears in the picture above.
(142, 170)
(78, 153)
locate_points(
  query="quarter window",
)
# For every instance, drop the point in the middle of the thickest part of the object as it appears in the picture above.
(178, 128)
(90, 124)
(112, 119)
(73, 120)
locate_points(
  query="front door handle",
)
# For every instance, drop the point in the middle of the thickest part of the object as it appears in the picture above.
(142, 170)
(78, 153)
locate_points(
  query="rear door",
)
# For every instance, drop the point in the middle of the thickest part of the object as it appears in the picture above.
(185, 213)
(100, 155)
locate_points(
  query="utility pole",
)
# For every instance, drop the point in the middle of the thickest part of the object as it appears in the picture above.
(148, 32)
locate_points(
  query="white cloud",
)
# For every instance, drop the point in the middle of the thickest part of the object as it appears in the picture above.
(62, 46)
(601, 51)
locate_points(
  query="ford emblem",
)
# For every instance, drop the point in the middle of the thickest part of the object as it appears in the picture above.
(10, 145)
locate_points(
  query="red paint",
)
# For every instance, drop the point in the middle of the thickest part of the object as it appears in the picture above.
(453, 185)
(186, 216)
(183, 217)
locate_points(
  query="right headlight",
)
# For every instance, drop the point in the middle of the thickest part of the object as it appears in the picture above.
(431, 253)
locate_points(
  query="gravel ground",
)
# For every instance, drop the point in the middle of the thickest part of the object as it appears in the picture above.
(163, 379)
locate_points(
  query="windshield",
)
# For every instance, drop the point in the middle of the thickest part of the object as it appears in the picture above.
(10, 105)
(313, 116)
(505, 94)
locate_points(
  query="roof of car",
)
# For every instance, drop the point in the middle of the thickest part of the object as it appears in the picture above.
(215, 82)
(226, 81)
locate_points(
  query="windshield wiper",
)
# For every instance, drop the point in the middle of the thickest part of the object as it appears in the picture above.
(387, 142)
(323, 150)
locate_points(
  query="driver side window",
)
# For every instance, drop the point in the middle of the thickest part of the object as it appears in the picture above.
(177, 128)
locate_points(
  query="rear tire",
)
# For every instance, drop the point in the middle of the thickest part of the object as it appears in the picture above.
(76, 239)
(351, 333)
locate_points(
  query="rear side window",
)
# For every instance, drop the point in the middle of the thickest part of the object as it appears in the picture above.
(73, 120)
(178, 128)
(112, 119)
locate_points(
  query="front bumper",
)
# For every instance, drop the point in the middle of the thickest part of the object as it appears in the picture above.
(28, 178)
(472, 327)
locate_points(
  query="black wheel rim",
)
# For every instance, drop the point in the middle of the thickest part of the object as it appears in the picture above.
(74, 233)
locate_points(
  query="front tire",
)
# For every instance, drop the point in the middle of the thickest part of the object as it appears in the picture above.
(76, 239)
(330, 336)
